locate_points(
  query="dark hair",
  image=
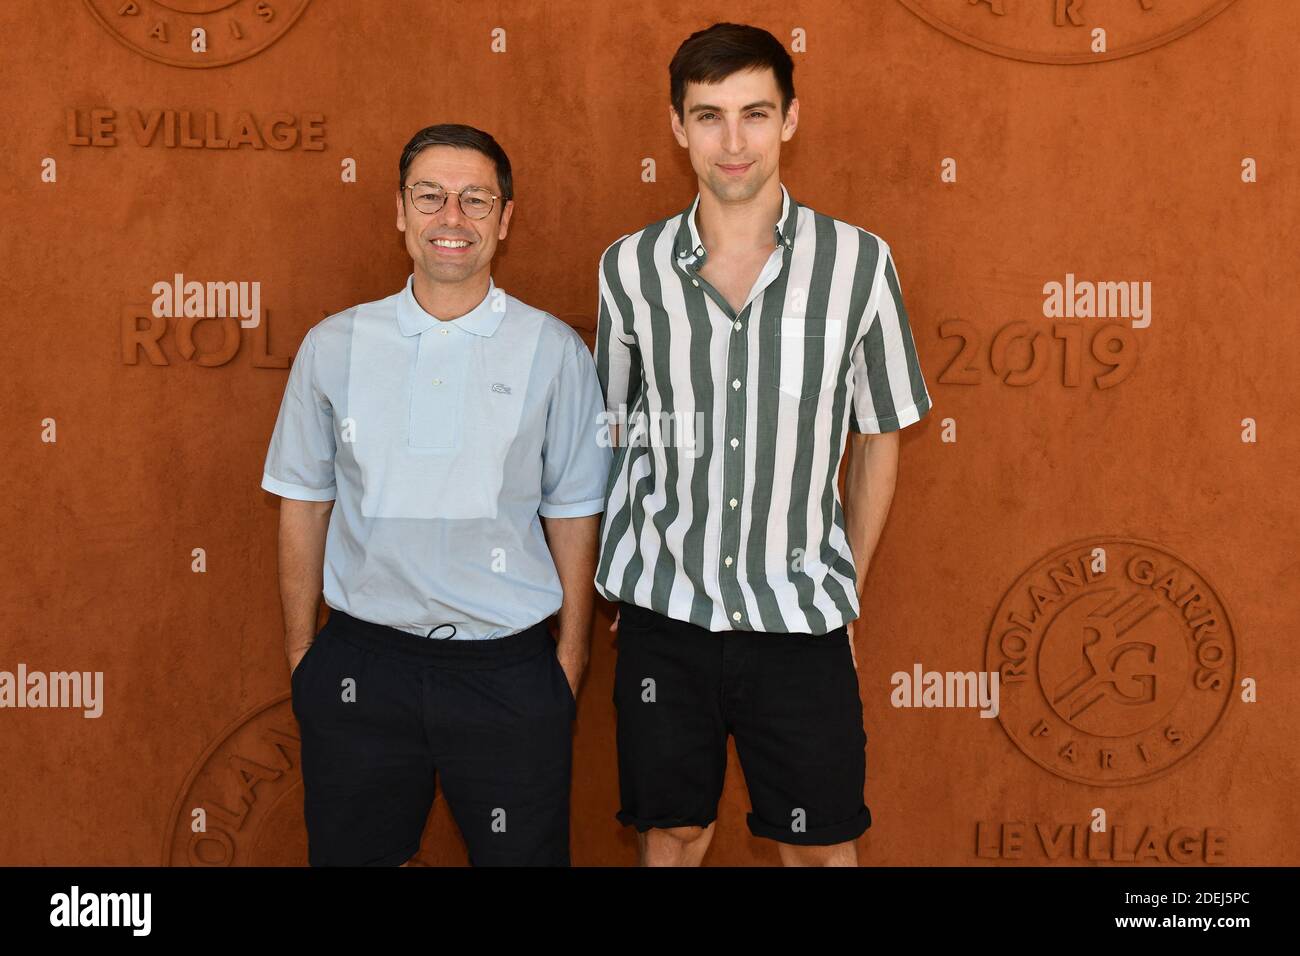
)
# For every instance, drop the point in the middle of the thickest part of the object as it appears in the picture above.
(712, 55)
(462, 137)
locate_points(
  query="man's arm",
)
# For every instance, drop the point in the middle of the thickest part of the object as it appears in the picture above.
(868, 493)
(303, 525)
(573, 549)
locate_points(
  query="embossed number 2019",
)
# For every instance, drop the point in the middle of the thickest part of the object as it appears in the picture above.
(1112, 345)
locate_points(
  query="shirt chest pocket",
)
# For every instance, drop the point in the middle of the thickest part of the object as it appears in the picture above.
(806, 355)
(443, 453)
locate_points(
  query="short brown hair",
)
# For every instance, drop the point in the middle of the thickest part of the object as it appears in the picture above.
(712, 55)
(462, 137)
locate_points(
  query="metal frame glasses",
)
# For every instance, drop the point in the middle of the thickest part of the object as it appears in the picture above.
(478, 195)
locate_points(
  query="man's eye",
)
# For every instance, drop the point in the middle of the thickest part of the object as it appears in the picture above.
(476, 201)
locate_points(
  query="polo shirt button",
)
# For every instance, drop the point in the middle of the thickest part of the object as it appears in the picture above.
(736, 616)
(682, 254)
(733, 502)
(443, 331)
(695, 282)
(737, 326)
(437, 381)
(735, 383)
(735, 442)
(728, 561)
(699, 250)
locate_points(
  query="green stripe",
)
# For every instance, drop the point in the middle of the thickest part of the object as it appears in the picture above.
(659, 358)
(760, 502)
(832, 514)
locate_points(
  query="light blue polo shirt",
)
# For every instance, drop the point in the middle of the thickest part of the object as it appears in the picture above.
(442, 443)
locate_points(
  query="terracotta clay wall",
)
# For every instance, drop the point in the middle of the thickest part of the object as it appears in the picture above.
(1100, 508)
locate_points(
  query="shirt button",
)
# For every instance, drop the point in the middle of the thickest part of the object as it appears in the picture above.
(695, 282)
(735, 383)
(699, 250)
(737, 326)
(735, 442)
(728, 561)
(735, 616)
(443, 331)
(437, 381)
(733, 502)
(682, 254)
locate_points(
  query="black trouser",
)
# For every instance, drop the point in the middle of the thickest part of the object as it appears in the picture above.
(383, 711)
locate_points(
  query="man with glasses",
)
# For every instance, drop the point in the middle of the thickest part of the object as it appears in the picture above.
(782, 330)
(442, 476)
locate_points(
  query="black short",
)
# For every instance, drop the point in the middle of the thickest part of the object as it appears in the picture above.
(790, 700)
(382, 712)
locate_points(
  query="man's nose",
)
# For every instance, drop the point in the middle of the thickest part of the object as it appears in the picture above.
(733, 141)
(450, 214)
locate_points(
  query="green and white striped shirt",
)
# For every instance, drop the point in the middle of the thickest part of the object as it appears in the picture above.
(723, 505)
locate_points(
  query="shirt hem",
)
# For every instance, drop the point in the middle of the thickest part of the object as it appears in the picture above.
(892, 423)
(579, 509)
(287, 489)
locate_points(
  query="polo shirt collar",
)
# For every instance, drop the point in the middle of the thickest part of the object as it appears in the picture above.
(481, 320)
(690, 249)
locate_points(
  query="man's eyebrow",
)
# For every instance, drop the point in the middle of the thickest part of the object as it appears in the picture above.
(431, 182)
(702, 107)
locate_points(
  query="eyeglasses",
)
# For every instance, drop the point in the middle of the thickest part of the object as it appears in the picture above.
(475, 201)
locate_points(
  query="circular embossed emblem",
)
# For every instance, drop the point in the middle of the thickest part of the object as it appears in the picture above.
(1062, 31)
(1116, 660)
(248, 788)
(197, 33)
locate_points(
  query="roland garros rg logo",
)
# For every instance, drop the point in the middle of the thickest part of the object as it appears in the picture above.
(197, 33)
(1116, 659)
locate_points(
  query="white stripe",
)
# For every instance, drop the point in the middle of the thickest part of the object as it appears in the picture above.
(625, 547)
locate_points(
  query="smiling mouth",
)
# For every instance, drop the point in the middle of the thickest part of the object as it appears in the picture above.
(450, 243)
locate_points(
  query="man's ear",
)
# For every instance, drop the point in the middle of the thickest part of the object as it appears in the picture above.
(401, 212)
(506, 212)
(791, 121)
(679, 131)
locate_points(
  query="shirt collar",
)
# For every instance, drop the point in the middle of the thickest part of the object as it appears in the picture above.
(483, 319)
(690, 249)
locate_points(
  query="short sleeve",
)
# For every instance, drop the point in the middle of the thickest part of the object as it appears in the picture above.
(300, 460)
(889, 390)
(576, 455)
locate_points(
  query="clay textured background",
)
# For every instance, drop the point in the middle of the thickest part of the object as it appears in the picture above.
(1123, 168)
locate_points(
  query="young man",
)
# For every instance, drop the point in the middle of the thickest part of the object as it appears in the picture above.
(780, 331)
(424, 442)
